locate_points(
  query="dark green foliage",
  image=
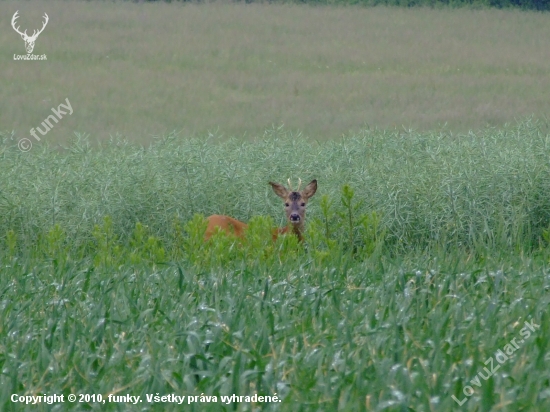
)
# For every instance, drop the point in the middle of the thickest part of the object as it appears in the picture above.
(539, 5)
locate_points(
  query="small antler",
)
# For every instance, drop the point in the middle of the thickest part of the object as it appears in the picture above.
(290, 185)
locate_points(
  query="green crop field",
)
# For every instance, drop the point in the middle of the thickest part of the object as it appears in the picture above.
(425, 255)
(423, 280)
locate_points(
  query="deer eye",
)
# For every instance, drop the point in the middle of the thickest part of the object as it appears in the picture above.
(287, 205)
(303, 204)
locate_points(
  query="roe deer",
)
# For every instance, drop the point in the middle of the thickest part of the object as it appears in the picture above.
(295, 208)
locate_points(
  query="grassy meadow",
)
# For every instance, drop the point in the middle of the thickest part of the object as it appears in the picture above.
(425, 255)
(143, 70)
(422, 284)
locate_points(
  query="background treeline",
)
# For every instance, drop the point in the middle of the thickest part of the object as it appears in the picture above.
(522, 4)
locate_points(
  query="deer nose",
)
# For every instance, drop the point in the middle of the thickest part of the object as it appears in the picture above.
(294, 217)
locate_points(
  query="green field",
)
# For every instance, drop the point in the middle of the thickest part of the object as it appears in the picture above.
(423, 282)
(425, 255)
(142, 70)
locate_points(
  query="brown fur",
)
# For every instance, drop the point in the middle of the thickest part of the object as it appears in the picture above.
(295, 208)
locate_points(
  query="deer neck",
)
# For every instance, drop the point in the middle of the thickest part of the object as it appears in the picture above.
(294, 229)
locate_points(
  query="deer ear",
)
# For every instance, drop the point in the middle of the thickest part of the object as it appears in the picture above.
(279, 190)
(310, 189)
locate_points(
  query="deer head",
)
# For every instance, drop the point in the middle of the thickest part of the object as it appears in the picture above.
(295, 202)
(29, 40)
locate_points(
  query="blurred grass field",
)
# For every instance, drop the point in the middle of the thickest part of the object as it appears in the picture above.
(142, 70)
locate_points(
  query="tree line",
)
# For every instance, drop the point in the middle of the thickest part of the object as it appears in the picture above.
(539, 5)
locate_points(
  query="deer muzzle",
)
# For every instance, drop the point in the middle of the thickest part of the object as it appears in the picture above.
(294, 218)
